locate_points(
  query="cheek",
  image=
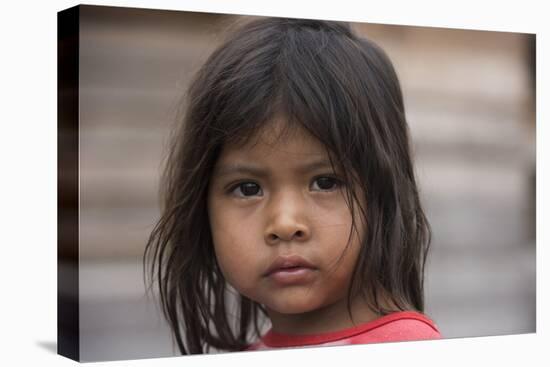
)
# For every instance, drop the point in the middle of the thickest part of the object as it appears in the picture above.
(234, 247)
(333, 226)
(340, 250)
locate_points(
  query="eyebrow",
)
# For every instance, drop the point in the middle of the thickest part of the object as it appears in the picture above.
(255, 170)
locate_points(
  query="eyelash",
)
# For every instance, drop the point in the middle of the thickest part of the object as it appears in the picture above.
(233, 188)
(337, 184)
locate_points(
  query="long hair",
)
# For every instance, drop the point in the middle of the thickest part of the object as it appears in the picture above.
(340, 88)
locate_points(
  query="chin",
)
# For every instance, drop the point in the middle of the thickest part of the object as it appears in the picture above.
(293, 307)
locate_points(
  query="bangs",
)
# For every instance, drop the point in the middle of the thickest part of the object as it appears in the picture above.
(305, 75)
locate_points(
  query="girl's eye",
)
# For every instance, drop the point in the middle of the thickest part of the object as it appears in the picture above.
(246, 189)
(325, 184)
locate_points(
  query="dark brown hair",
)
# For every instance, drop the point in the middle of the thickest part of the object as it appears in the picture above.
(340, 88)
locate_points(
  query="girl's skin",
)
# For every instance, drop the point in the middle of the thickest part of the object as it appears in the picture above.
(280, 200)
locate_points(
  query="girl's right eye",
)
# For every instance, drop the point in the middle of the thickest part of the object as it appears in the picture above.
(247, 189)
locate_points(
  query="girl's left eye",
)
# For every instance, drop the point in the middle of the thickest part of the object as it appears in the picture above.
(325, 184)
(247, 189)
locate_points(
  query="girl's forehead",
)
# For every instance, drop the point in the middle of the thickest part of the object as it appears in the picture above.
(277, 138)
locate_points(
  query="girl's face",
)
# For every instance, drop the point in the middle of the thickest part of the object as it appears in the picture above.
(280, 223)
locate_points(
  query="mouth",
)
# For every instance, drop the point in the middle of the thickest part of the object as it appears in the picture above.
(289, 270)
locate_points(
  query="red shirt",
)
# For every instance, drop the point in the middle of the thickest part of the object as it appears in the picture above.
(397, 326)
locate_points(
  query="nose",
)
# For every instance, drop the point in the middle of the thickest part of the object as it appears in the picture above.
(287, 220)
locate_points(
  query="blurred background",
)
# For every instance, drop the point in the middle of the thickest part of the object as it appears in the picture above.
(470, 104)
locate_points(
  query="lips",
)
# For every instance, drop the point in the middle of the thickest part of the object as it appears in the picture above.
(289, 270)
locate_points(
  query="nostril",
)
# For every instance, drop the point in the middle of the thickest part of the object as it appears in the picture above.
(274, 237)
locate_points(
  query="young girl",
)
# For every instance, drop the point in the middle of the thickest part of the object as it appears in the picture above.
(289, 193)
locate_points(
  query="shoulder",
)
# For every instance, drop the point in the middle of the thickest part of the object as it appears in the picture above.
(401, 326)
(411, 329)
